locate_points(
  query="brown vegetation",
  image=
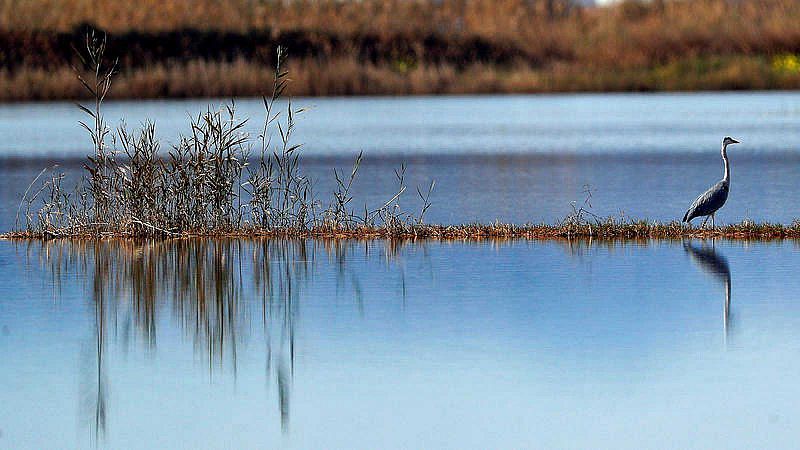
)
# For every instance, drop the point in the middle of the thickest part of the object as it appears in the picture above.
(607, 230)
(348, 76)
(172, 48)
(217, 180)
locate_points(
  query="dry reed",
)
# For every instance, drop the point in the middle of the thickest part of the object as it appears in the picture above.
(171, 49)
(216, 180)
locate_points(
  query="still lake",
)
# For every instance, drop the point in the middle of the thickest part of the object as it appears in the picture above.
(516, 344)
(510, 158)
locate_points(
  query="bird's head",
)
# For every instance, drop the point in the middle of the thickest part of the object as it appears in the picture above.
(729, 140)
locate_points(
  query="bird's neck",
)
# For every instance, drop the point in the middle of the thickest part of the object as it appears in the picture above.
(727, 177)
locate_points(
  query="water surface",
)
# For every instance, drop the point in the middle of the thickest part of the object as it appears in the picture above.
(305, 344)
(309, 344)
(511, 158)
(542, 124)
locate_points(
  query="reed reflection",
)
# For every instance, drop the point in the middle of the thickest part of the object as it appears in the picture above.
(716, 265)
(212, 290)
(94, 381)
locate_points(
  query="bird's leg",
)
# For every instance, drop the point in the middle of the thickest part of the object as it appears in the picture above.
(713, 225)
(703, 225)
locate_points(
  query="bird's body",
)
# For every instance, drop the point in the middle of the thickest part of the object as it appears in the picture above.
(710, 201)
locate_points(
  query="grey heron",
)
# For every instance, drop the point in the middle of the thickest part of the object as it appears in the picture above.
(712, 200)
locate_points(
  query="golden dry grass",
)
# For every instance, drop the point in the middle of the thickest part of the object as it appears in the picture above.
(604, 230)
(483, 16)
(384, 47)
(347, 76)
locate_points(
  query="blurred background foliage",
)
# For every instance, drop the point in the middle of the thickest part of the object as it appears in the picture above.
(198, 48)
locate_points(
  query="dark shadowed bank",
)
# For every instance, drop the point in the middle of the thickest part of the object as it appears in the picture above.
(172, 49)
(608, 230)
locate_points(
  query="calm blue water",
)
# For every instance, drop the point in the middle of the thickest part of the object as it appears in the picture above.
(570, 124)
(510, 158)
(268, 344)
(307, 344)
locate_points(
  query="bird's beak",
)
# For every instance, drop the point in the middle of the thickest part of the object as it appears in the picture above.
(734, 141)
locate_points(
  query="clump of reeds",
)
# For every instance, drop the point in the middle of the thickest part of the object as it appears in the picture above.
(215, 180)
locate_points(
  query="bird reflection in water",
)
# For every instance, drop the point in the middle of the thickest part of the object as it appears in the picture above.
(713, 263)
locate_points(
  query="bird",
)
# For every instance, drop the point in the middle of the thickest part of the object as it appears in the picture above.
(710, 201)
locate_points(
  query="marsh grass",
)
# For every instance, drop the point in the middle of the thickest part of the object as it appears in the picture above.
(216, 180)
(347, 75)
(171, 49)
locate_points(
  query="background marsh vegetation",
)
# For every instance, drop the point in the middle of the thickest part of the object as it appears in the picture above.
(171, 49)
